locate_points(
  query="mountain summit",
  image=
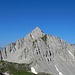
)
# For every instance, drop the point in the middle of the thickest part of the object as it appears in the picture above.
(45, 53)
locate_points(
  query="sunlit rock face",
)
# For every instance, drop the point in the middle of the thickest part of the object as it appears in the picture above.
(45, 53)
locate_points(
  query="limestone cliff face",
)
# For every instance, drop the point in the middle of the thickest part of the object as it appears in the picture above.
(46, 53)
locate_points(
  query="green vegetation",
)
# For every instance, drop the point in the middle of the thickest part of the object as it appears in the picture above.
(44, 38)
(26, 73)
(1, 61)
(16, 69)
(13, 67)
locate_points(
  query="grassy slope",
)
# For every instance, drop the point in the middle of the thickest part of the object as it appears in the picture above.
(16, 69)
(26, 73)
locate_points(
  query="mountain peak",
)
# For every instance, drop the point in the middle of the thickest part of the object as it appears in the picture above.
(37, 29)
(37, 32)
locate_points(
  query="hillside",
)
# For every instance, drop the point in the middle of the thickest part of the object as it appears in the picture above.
(15, 68)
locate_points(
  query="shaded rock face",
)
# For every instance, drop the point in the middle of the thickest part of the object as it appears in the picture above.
(46, 53)
(1, 74)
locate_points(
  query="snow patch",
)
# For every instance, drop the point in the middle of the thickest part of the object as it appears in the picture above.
(60, 73)
(33, 70)
(71, 54)
(16, 47)
(6, 73)
(32, 36)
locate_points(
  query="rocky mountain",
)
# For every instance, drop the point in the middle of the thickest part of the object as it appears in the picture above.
(45, 53)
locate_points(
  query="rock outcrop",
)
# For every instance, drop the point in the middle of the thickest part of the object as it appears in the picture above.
(46, 53)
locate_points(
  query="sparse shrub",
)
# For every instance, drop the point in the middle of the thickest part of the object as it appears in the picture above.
(44, 38)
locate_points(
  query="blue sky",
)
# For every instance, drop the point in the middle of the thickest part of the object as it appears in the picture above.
(19, 17)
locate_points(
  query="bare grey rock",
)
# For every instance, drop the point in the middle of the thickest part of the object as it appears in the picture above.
(46, 53)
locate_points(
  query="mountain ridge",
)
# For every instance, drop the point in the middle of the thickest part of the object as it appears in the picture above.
(46, 53)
